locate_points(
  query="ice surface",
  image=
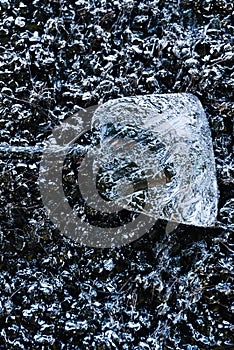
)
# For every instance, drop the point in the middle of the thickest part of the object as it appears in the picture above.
(141, 159)
(156, 157)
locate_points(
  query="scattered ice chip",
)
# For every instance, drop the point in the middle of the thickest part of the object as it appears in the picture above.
(35, 37)
(75, 325)
(20, 21)
(46, 288)
(86, 96)
(32, 166)
(44, 339)
(108, 264)
(22, 165)
(136, 326)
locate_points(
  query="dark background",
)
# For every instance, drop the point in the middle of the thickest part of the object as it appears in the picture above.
(162, 291)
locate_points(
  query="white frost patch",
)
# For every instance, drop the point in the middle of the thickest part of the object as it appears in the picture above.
(69, 326)
(20, 21)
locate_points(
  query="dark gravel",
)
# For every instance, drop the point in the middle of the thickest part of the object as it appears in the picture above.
(162, 291)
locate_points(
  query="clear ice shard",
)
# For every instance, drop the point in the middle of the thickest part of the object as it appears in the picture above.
(156, 157)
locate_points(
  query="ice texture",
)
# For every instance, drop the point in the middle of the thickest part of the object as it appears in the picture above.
(157, 151)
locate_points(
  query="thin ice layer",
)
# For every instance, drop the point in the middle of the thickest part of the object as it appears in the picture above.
(171, 150)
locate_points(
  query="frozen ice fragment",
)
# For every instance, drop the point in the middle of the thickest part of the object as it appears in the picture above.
(172, 151)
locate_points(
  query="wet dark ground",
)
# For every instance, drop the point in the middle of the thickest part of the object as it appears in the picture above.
(164, 291)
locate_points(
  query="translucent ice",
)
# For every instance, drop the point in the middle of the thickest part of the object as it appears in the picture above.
(156, 157)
